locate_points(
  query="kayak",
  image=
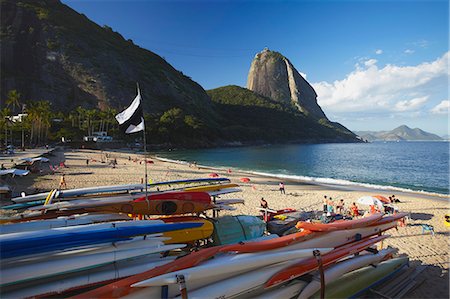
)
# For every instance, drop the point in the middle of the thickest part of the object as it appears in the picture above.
(227, 265)
(353, 284)
(311, 264)
(300, 240)
(20, 244)
(336, 271)
(339, 224)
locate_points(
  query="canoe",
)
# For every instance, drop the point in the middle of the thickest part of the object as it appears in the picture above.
(228, 265)
(45, 269)
(336, 271)
(20, 244)
(234, 229)
(353, 284)
(340, 224)
(60, 222)
(300, 240)
(57, 285)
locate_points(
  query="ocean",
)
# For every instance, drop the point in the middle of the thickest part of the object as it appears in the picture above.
(402, 166)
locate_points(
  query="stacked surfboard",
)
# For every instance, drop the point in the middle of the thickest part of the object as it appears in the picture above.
(279, 267)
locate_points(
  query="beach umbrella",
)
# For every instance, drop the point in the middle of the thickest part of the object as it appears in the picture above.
(244, 180)
(213, 175)
(370, 200)
(382, 198)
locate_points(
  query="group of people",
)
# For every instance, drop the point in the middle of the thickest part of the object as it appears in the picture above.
(330, 207)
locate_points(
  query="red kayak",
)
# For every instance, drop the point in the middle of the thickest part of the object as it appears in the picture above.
(310, 264)
(202, 197)
(339, 224)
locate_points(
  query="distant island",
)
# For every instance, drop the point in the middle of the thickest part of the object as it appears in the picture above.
(402, 133)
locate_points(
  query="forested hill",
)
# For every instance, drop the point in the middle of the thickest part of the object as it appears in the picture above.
(256, 117)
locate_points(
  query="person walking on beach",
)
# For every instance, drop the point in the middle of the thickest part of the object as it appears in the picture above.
(62, 182)
(282, 188)
(325, 204)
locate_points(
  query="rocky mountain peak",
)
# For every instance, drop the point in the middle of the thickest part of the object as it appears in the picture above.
(273, 75)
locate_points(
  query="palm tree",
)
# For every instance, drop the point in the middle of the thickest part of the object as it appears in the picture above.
(13, 99)
(5, 113)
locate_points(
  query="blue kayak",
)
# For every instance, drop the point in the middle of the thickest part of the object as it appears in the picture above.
(14, 245)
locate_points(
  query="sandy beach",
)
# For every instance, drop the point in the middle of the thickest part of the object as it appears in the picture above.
(85, 169)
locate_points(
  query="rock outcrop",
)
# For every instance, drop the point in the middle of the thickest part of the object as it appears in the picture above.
(273, 75)
(51, 52)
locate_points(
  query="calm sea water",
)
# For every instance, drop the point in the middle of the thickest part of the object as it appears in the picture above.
(418, 166)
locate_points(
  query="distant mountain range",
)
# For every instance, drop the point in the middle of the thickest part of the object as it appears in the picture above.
(402, 133)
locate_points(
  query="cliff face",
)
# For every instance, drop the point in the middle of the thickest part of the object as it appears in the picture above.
(51, 52)
(272, 75)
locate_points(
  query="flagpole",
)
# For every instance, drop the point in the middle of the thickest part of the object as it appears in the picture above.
(145, 152)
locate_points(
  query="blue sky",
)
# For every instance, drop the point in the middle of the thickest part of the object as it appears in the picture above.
(374, 64)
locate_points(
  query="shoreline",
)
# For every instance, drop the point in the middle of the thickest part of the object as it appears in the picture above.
(345, 186)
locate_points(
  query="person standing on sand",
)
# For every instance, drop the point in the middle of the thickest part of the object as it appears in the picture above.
(282, 188)
(62, 182)
(354, 210)
(330, 206)
(325, 204)
(340, 207)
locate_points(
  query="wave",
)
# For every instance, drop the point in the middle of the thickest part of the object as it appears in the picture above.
(314, 180)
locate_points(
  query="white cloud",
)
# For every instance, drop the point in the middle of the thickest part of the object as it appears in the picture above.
(379, 52)
(409, 51)
(370, 88)
(412, 104)
(441, 108)
(370, 62)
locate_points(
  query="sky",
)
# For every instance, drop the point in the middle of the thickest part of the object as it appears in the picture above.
(375, 65)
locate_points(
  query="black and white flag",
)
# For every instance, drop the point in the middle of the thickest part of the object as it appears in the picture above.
(131, 120)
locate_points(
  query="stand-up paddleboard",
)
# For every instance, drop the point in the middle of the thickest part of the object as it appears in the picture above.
(113, 189)
(27, 243)
(352, 284)
(56, 286)
(45, 269)
(336, 271)
(310, 264)
(229, 265)
(60, 222)
(299, 240)
(340, 224)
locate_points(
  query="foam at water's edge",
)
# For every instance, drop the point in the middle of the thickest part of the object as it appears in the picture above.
(315, 180)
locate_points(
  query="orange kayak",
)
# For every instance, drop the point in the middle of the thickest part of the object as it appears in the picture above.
(390, 218)
(310, 264)
(340, 224)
